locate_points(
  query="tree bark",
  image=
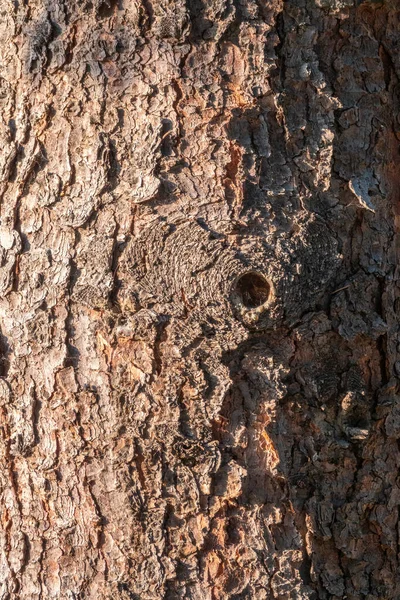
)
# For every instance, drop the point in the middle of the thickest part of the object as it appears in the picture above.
(199, 299)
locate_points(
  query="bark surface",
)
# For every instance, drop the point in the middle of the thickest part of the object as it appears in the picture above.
(199, 300)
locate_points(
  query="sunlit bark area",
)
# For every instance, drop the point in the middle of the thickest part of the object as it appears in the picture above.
(199, 300)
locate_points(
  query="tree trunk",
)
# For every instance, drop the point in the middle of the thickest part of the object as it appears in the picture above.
(199, 299)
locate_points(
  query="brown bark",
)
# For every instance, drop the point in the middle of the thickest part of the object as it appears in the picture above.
(199, 299)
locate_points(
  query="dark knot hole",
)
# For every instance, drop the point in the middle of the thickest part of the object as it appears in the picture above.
(253, 290)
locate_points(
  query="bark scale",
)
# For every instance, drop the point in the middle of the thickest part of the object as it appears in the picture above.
(199, 299)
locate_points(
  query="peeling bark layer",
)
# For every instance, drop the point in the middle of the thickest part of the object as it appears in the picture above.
(199, 300)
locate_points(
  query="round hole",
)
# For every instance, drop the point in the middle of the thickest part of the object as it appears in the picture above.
(253, 290)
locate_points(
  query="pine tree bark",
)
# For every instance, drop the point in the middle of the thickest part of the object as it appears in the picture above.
(199, 299)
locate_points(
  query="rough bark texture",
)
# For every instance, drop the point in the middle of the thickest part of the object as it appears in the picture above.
(199, 299)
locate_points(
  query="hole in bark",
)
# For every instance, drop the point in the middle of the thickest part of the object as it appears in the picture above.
(253, 290)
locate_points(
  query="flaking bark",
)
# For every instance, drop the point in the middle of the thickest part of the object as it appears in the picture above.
(199, 300)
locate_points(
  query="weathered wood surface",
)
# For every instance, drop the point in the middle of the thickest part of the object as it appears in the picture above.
(199, 299)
